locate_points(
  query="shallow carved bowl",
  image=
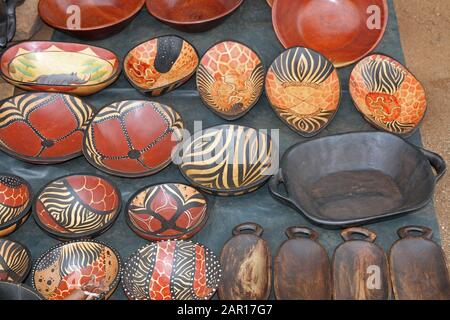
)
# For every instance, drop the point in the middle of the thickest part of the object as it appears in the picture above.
(17, 291)
(172, 270)
(15, 203)
(15, 261)
(230, 79)
(192, 15)
(388, 95)
(77, 206)
(80, 270)
(343, 30)
(161, 65)
(43, 128)
(133, 138)
(227, 160)
(167, 211)
(89, 19)
(304, 90)
(59, 66)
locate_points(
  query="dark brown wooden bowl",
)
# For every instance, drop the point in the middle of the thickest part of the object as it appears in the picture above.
(174, 270)
(17, 291)
(15, 203)
(342, 30)
(15, 261)
(79, 270)
(77, 206)
(192, 15)
(98, 19)
(43, 128)
(167, 211)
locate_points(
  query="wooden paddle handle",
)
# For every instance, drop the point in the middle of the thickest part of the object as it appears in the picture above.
(348, 234)
(409, 231)
(301, 232)
(251, 227)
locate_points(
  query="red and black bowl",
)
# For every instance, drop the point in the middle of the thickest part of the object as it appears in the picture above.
(15, 261)
(77, 206)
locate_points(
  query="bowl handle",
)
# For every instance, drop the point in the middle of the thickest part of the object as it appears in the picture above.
(348, 234)
(437, 162)
(299, 232)
(408, 231)
(250, 227)
(274, 184)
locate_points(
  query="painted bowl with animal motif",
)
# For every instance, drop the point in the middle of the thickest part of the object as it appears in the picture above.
(230, 79)
(78, 270)
(172, 270)
(161, 65)
(77, 207)
(15, 261)
(75, 68)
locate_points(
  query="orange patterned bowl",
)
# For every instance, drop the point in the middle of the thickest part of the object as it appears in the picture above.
(342, 30)
(304, 90)
(172, 270)
(15, 261)
(15, 203)
(59, 66)
(77, 206)
(79, 270)
(230, 79)
(161, 65)
(388, 95)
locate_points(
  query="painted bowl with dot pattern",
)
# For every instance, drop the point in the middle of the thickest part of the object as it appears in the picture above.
(77, 206)
(15, 261)
(172, 270)
(78, 270)
(160, 65)
(15, 203)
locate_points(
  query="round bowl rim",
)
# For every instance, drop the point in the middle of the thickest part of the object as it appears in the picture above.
(28, 253)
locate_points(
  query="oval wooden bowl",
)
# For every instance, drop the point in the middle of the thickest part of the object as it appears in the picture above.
(98, 19)
(192, 15)
(167, 211)
(161, 65)
(211, 161)
(17, 291)
(230, 79)
(388, 95)
(79, 270)
(59, 66)
(43, 128)
(121, 142)
(77, 206)
(172, 270)
(16, 261)
(343, 30)
(15, 203)
(304, 90)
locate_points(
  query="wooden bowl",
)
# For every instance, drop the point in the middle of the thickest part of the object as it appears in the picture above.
(167, 211)
(172, 270)
(43, 128)
(59, 66)
(15, 203)
(121, 142)
(303, 89)
(160, 65)
(77, 206)
(388, 95)
(16, 261)
(270, 2)
(227, 160)
(230, 79)
(16, 291)
(80, 270)
(192, 15)
(342, 30)
(98, 19)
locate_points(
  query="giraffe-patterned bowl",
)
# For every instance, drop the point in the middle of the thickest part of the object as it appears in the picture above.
(172, 270)
(230, 79)
(15, 261)
(77, 206)
(79, 270)
(167, 211)
(303, 89)
(160, 65)
(15, 203)
(388, 95)
(43, 128)
(133, 138)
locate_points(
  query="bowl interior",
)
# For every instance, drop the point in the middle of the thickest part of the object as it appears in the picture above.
(160, 62)
(15, 198)
(342, 30)
(16, 261)
(77, 271)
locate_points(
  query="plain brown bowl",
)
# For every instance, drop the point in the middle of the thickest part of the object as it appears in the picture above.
(192, 15)
(98, 19)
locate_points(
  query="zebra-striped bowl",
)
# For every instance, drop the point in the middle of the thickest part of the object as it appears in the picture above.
(15, 261)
